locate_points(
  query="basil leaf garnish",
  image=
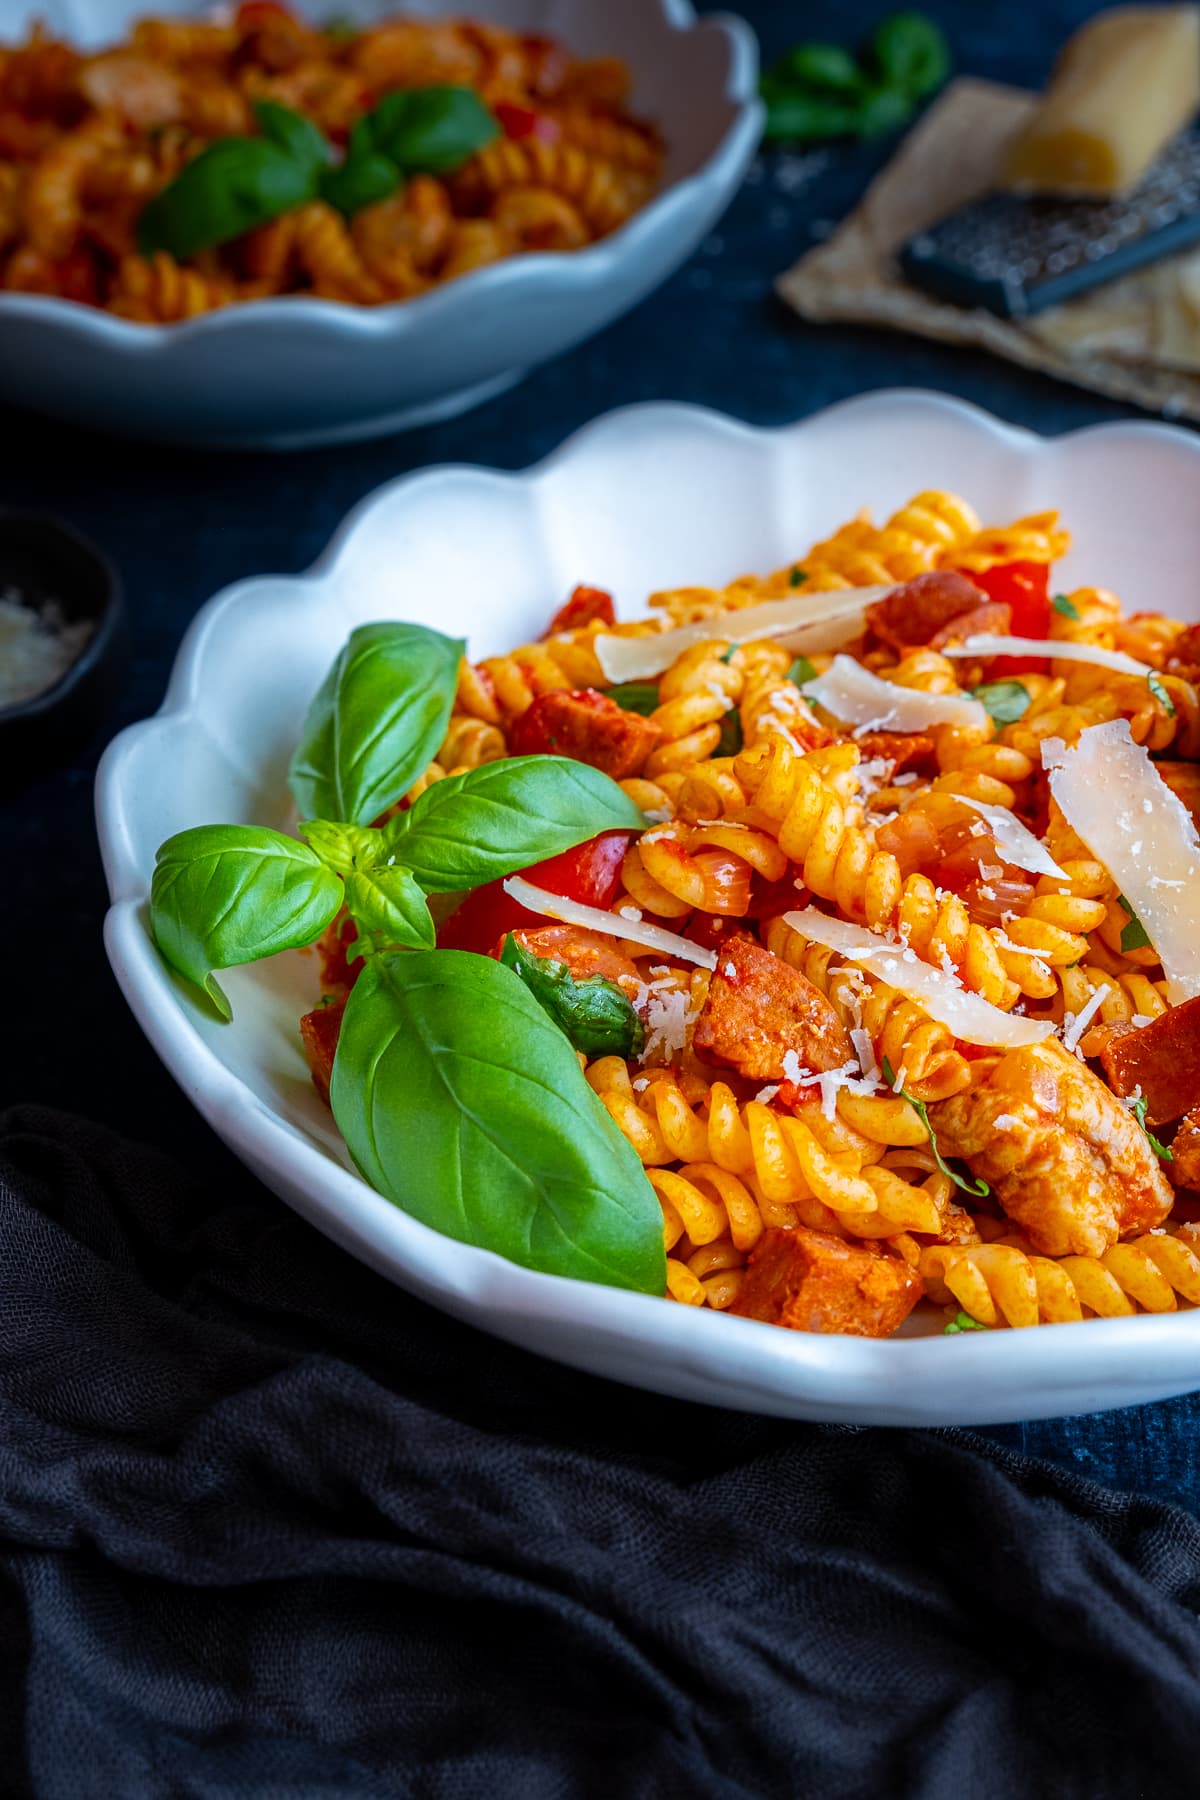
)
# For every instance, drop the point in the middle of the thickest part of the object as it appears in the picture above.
(1005, 701)
(636, 696)
(801, 671)
(431, 129)
(912, 54)
(376, 722)
(491, 821)
(304, 142)
(596, 1014)
(344, 847)
(228, 894)
(1134, 935)
(461, 1102)
(731, 741)
(230, 188)
(389, 909)
(360, 181)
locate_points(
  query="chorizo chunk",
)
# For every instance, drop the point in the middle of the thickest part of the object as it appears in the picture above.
(1162, 1059)
(758, 1008)
(319, 1032)
(586, 725)
(809, 1281)
(585, 953)
(1066, 1160)
(585, 605)
(917, 611)
(900, 749)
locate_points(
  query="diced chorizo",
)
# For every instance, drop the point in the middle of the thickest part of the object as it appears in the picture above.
(901, 750)
(1064, 1157)
(809, 1281)
(993, 616)
(588, 726)
(914, 613)
(1185, 1149)
(319, 1032)
(759, 1009)
(1162, 1059)
(585, 953)
(585, 605)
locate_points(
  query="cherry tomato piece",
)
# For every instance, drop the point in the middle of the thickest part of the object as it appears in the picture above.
(1024, 587)
(590, 873)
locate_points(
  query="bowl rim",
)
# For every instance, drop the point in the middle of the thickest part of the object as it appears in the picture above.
(796, 1373)
(575, 273)
(108, 617)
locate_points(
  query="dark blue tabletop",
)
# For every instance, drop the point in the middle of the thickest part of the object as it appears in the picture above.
(180, 525)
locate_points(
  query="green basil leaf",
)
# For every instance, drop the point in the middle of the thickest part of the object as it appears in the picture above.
(809, 118)
(827, 66)
(303, 141)
(797, 577)
(376, 721)
(882, 109)
(344, 847)
(491, 821)
(1158, 688)
(462, 1103)
(1062, 603)
(978, 1188)
(229, 189)
(596, 1014)
(911, 53)
(636, 696)
(360, 181)
(1005, 701)
(801, 671)
(1138, 1108)
(389, 909)
(432, 129)
(228, 894)
(964, 1322)
(1134, 935)
(731, 741)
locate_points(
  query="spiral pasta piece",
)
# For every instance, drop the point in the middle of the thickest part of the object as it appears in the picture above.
(1001, 1284)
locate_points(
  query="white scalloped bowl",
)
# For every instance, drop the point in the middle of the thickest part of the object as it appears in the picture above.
(645, 497)
(294, 372)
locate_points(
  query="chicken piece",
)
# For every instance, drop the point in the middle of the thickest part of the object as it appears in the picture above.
(587, 725)
(585, 953)
(1161, 1059)
(915, 612)
(1066, 1160)
(1185, 1148)
(145, 93)
(319, 1032)
(759, 1009)
(808, 1281)
(582, 607)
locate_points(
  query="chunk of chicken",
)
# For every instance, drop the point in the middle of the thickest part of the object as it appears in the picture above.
(758, 1008)
(809, 1281)
(1185, 1148)
(1067, 1161)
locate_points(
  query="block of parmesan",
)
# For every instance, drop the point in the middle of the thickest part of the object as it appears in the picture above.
(1123, 85)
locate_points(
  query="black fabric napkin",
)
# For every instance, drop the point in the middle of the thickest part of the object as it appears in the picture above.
(268, 1527)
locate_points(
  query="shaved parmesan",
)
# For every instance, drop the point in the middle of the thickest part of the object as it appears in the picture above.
(1016, 840)
(942, 996)
(988, 643)
(633, 931)
(856, 697)
(820, 621)
(1114, 798)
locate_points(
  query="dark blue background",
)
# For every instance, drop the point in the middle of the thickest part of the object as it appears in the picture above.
(180, 525)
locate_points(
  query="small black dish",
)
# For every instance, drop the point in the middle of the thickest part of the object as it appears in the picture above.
(41, 561)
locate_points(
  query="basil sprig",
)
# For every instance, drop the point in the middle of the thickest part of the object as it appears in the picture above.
(819, 91)
(595, 1014)
(239, 183)
(465, 1105)
(1004, 701)
(979, 1187)
(376, 721)
(491, 821)
(228, 894)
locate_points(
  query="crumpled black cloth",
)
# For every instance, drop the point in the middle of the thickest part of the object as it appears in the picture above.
(270, 1528)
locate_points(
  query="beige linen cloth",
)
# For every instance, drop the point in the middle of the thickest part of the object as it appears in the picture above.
(1136, 339)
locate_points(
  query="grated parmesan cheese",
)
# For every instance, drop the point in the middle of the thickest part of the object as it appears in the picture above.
(1017, 842)
(1075, 1024)
(1006, 1122)
(37, 647)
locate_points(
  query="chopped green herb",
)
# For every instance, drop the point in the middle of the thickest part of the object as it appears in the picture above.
(1134, 935)
(595, 1014)
(797, 577)
(1158, 689)
(1065, 606)
(730, 653)
(636, 696)
(964, 1322)
(731, 741)
(1138, 1109)
(801, 671)
(977, 1188)
(1006, 701)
